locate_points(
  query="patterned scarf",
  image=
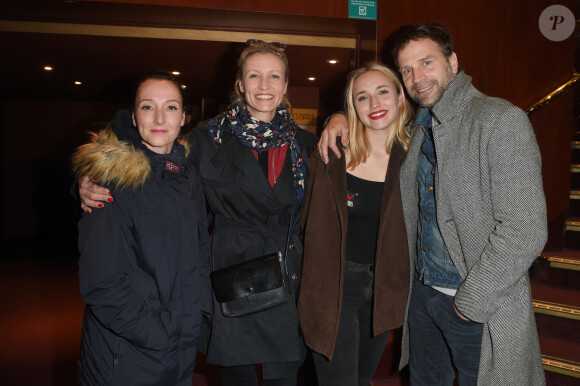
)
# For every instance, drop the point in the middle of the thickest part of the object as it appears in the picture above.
(262, 136)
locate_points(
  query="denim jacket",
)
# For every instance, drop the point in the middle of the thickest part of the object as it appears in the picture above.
(433, 264)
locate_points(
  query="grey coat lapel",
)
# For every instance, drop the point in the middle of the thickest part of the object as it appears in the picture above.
(408, 182)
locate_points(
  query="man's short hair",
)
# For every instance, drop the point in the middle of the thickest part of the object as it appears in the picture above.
(436, 32)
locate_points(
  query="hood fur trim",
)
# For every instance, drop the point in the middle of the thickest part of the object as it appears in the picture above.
(111, 161)
(185, 143)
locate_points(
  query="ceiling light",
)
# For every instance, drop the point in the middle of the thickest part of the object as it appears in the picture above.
(78, 82)
(332, 61)
(311, 78)
(47, 68)
(176, 73)
(183, 86)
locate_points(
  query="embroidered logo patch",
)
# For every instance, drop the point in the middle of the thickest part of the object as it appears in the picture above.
(172, 167)
(350, 198)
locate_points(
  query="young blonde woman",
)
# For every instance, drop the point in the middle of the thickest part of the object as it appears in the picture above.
(355, 276)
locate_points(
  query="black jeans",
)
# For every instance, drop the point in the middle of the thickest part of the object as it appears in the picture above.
(440, 340)
(356, 352)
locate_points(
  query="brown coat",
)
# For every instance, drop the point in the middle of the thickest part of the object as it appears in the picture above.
(325, 220)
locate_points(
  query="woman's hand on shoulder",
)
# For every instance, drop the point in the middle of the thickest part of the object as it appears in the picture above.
(92, 195)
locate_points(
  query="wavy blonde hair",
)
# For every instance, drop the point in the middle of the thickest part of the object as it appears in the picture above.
(359, 145)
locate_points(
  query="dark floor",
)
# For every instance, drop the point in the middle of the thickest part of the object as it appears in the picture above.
(41, 321)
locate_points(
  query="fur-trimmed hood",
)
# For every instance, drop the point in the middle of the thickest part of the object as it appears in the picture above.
(113, 161)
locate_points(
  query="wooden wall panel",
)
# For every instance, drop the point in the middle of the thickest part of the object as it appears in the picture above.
(325, 8)
(497, 42)
(553, 127)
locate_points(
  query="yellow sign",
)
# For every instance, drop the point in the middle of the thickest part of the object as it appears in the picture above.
(305, 117)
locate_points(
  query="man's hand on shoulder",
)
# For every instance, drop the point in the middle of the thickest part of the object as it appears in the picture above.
(337, 126)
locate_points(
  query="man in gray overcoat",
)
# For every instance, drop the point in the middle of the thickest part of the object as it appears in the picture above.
(475, 215)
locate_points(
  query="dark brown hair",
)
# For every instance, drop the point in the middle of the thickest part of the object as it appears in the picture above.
(161, 75)
(436, 32)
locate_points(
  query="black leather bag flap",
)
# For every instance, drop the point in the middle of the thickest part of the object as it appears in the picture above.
(249, 278)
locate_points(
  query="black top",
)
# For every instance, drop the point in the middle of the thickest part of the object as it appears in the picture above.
(364, 205)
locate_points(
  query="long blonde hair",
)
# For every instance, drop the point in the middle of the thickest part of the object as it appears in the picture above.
(359, 145)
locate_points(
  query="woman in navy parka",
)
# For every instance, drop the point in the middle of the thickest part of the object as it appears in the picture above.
(144, 271)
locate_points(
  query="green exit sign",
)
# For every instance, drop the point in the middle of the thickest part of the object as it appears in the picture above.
(362, 9)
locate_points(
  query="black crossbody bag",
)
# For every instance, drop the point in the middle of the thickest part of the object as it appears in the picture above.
(254, 285)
